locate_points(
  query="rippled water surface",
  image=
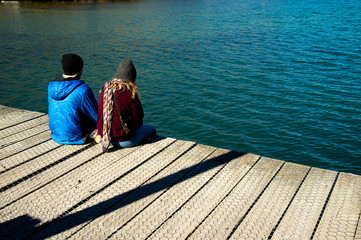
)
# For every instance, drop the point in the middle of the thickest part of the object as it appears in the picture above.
(277, 78)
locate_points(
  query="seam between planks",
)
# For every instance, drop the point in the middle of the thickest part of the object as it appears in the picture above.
(45, 184)
(254, 203)
(220, 202)
(195, 193)
(13, 184)
(135, 189)
(31, 159)
(164, 192)
(18, 123)
(289, 204)
(324, 206)
(14, 142)
(43, 226)
(358, 226)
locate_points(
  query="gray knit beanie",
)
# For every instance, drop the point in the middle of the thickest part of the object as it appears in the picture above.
(126, 71)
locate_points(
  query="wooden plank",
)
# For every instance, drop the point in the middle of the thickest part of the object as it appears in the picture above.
(28, 155)
(18, 214)
(116, 192)
(266, 212)
(138, 201)
(6, 110)
(17, 137)
(219, 224)
(303, 213)
(190, 215)
(22, 180)
(9, 149)
(13, 116)
(342, 212)
(168, 203)
(47, 185)
(99, 179)
(31, 167)
(19, 128)
(33, 175)
(22, 135)
(49, 203)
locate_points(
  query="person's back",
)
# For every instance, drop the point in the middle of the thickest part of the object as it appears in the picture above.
(72, 105)
(122, 93)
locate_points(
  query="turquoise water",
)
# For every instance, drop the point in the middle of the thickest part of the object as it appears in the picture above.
(277, 78)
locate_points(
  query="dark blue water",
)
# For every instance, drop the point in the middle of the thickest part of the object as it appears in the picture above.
(277, 78)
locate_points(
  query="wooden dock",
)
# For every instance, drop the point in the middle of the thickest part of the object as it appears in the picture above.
(169, 189)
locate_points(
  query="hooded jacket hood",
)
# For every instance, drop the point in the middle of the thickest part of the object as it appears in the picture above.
(59, 88)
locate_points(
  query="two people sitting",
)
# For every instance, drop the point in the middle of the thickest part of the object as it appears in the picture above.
(76, 118)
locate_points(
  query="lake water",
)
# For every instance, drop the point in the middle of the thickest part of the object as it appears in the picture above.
(277, 78)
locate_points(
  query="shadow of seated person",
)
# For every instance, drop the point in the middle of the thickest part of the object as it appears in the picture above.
(18, 228)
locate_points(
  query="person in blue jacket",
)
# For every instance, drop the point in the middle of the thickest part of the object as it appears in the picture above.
(72, 106)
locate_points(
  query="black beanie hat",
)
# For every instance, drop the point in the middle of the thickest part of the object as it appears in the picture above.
(72, 64)
(126, 71)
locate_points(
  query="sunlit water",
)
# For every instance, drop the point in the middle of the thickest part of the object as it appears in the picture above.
(277, 78)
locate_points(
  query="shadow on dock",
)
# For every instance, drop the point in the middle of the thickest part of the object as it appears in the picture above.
(70, 219)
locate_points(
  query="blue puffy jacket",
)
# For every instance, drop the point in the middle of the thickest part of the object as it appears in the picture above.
(72, 111)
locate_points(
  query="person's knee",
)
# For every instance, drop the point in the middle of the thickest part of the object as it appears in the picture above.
(150, 129)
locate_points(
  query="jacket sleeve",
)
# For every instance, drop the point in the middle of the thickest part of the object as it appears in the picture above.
(89, 105)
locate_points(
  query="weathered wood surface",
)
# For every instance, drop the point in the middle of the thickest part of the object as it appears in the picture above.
(169, 189)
